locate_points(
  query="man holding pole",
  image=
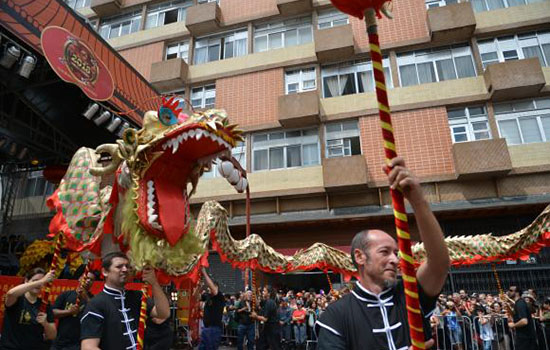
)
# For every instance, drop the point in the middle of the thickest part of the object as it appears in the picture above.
(111, 318)
(374, 314)
(67, 310)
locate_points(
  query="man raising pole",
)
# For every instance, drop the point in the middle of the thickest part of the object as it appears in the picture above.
(374, 314)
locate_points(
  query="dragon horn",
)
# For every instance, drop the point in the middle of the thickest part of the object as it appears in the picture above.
(385, 9)
(113, 150)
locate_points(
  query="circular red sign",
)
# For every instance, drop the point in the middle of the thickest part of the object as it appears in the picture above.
(74, 62)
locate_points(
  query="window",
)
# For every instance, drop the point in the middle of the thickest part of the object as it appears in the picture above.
(439, 3)
(524, 121)
(331, 18)
(120, 25)
(488, 5)
(221, 47)
(428, 66)
(238, 152)
(300, 80)
(35, 185)
(285, 149)
(204, 96)
(166, 13)
(342, 139)
(516, 47)
(291, 32)
(351, 77)
(468, 123)
(205, 1)
(178, 50)
(77, 4)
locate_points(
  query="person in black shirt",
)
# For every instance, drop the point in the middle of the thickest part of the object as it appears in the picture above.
(246, 326)
(270, 335)
(66, 310)
(25, 327)
(211, 334)
(374, 314)
(526, 337)
(111, 318)
(158, 334)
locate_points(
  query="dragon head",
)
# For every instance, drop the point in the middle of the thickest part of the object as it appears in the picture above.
(160, 160)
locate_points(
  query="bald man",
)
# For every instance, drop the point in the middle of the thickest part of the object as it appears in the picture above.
(374, 314)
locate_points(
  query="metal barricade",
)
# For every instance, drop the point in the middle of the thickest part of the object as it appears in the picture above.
(500, 337)
(542, 329)
(447, 337)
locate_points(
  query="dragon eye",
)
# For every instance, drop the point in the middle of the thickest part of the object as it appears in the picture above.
(129, 136)
(167, 117)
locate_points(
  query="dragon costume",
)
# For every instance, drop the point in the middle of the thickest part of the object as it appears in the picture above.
(139, 203)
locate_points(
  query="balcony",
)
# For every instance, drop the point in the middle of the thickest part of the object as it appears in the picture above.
(355, 176)
(299, 110)
(169, 75)
(451, 23)
(514, 79)
(203, 18)
(334, 44)
(104, 8)
(293, 7)
(484, 158)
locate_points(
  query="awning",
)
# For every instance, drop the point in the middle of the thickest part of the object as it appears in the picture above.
(28, 19)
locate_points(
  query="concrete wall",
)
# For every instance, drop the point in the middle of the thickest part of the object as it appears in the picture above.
(531, 154)
(263, 181)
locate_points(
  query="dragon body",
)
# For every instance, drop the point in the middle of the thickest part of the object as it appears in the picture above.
(138, 202)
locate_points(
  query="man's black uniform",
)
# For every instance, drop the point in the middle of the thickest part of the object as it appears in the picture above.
(525, 336)
(270, 335)
(113, 317)
(364, 320)
(68, 328)
(158, 336)
(21, 331)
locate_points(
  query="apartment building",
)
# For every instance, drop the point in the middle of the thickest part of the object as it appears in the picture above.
(469, 88)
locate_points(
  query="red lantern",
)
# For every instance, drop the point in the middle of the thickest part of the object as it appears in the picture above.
(356, 8)
(54, 173)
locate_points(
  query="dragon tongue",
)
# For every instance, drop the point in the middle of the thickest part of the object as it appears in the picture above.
(173, 210)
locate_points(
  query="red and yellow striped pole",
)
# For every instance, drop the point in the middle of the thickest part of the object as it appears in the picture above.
(407, 265)
(53, 267)
(329, 282)
(142, 317)
(82, 282)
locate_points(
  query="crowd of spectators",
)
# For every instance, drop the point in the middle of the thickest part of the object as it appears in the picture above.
(298, 312)
(461, 321)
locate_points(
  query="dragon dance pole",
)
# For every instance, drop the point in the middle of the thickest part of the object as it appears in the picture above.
(142, 317)
(53, 267)
(81, 282)
(408, 269)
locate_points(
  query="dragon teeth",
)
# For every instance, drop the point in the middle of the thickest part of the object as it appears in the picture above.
(175, 145)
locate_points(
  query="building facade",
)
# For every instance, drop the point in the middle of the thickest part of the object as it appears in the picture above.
(469, 89)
